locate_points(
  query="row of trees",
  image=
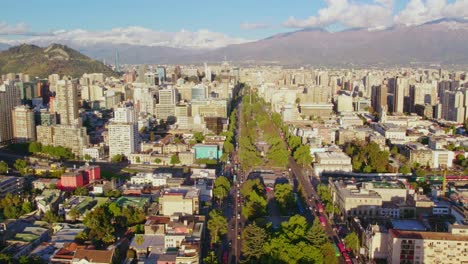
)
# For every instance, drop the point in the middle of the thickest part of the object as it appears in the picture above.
(248, 154)
(325, 195)
(217, 225)
(57, 152)
(228, 146)
(367, 157)
(221, 188)
(255, 204)
(295, 242)
(300, 152)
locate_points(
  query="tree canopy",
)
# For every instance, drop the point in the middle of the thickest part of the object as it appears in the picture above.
(217, 225)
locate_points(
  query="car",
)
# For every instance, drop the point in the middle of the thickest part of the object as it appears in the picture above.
(238, 216)
(238, 236)
(238, 194)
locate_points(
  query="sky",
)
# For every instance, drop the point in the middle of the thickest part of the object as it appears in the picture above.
(206, 23)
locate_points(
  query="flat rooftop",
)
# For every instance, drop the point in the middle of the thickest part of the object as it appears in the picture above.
(427, 235)
(410, 225)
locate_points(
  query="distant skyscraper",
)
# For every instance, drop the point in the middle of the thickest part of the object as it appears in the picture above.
(399, 94)
(161, 74)
(166, 106)
(24, 128)
(66, 102)
(9, 98)
(453, 106)
(379, 97)
(207, 73)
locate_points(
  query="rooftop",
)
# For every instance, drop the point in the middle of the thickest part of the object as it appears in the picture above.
(411, 225)
(427, 235)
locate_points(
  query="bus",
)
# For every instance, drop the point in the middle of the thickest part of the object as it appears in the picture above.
(347, 258)
(320, 207)
(337, 251)
(323, 222)
(342, 248)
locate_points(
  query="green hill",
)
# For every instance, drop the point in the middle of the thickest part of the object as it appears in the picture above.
(42, 62)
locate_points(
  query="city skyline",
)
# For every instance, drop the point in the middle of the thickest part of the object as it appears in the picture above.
(209, 25)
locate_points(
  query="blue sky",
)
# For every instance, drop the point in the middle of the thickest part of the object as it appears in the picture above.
(261, 18)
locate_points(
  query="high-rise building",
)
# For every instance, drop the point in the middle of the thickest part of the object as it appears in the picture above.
(453, 106)
(166, 106)
(9, 98)
(161, 74)
(401, 85)
(423, 93)
(379, 97)
(199, 92)
(123, 132)
(66, 102)
(24, 128)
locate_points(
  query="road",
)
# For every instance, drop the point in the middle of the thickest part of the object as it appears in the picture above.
(310, 189)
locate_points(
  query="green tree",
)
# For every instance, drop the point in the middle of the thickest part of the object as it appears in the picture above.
(74, 214)
(284, 196)
(198, 136)
(117, 158)
(420, 173)
(217, 225)
(35, 147)
(175, 159)
(87, 157)
(81, 191)
(228, 147)
(328, 253)
(295, 229)
(21, 165)
(50, 217)
(324, 193)
(6, 259)
(3, 167)
(221, 187)
(404, 169)
(157, 160)
(26, 207)
(302, 155)
(316, 234)
(253, 238)
(352, 242)
(137, 159)
(394, 150)
(100, 225)
(139, 239)
(211, 258)
(294, 142)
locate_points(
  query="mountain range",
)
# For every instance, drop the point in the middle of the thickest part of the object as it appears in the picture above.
(441, 42)
(55, 58)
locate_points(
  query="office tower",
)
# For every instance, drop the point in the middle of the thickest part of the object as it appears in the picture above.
(73, 137)
(166, 106)
(199, 92)
(317, 95)
(24, 128)
(143, 99)
(401, 85)
(423, 93)
(150, 78)
(177, 73)
(44, 117)
(207, 73)
(379, 97)
(66, 102)
(322, 79)
(161, 74)
(344, 103)
(123, 132)
(141, 73)
(9, 98)
(453, 106)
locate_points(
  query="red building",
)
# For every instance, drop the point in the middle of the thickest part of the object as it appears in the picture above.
(70, 180)
(91, 173)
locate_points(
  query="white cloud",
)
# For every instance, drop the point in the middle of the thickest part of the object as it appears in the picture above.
(249, 26)
(349, 14)
(6, 29)
(418, 12)
(201, 39)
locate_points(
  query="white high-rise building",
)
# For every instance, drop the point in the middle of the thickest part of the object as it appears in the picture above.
(123, 133)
